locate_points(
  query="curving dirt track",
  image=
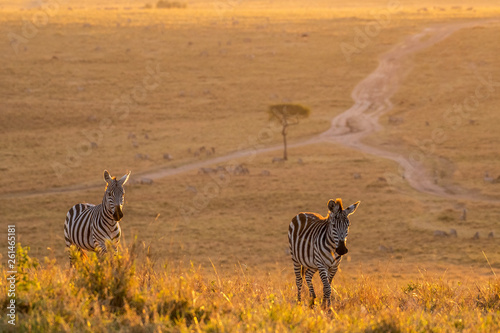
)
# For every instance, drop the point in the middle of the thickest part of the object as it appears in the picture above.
(372, 99)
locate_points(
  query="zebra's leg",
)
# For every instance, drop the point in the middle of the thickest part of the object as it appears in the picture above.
(68, 242)
(115, 248)
(101, 246)
(72, 259)
(333, 270)
(327, 289)
(100, 249)
(68, 248)
(298, 278)
(309, 275)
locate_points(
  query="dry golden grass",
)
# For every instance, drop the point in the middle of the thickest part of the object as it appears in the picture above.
(132, 292)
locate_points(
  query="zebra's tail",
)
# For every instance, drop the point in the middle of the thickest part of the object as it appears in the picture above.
(302, 271)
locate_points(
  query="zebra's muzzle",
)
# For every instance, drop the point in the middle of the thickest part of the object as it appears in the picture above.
(118, 214)
(341, 249)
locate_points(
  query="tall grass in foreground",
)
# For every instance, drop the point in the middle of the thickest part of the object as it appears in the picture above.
(121, 293)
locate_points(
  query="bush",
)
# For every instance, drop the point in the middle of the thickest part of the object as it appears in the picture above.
(170, 4)
(110, 279)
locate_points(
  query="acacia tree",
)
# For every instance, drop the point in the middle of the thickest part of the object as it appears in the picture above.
(287, 115)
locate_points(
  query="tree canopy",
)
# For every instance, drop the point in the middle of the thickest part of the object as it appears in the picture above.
(286, 115)
(285, 111)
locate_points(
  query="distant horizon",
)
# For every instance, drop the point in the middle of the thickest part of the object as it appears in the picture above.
(244, 4)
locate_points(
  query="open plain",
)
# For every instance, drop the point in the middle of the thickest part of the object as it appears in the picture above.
(403, 98)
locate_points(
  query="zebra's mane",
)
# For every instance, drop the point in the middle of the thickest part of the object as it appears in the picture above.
(316, 218)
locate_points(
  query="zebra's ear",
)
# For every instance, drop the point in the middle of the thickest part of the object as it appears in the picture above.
(107, 176)
(335, 206)
(124, 179)
(352, 208)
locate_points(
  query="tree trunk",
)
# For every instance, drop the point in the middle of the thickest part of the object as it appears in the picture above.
(283, 132)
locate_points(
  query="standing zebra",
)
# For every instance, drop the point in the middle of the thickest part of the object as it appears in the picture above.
(89, 226)
(313, 241)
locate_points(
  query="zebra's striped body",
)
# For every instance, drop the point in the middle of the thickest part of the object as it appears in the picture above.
(317, 244)
(89, 226)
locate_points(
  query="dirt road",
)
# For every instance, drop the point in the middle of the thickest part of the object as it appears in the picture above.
(371, 100)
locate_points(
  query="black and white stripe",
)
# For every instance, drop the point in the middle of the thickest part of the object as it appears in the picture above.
(89, 226)
(317, 244)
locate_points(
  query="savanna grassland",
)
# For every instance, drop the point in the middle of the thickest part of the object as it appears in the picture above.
(117, 87)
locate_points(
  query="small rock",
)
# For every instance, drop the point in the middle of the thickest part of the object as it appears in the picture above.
(191, 189)
(240, 169)
(395, 120)
(146, 181)
(385, 249)
(487, 178)
(206, 171)
(140, 156)
(440, 233)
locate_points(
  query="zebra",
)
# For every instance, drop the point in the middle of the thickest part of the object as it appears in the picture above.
(89, 226)
(317, 244)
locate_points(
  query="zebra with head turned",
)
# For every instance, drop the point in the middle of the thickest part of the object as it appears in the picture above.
(89, 226)
(317, 244)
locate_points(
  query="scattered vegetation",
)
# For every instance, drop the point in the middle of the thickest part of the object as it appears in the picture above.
(447, 215)
(117, 293)
(170, 4)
